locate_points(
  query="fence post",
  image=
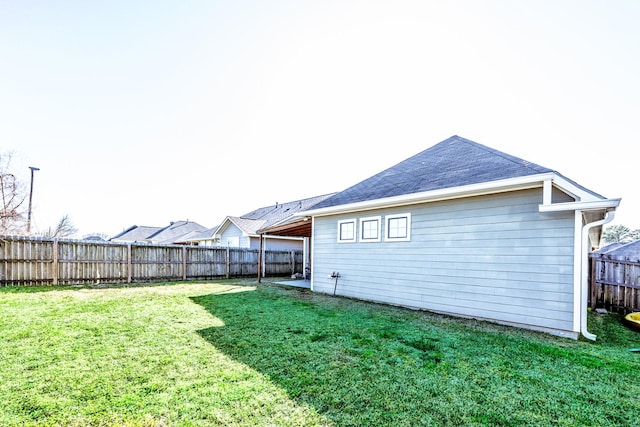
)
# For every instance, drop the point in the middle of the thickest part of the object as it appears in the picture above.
(184, 263)
(227, 268)
(54, 269)
(593, 282)
(129, 273)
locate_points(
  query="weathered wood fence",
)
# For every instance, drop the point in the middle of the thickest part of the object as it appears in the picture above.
(614, 283)
(40, 262)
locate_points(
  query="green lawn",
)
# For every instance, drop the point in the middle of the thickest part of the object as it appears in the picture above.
(228, 353)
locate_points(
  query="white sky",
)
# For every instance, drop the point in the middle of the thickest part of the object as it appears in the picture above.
(145, 112)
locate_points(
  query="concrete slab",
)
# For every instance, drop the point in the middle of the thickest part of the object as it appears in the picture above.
(306, 284)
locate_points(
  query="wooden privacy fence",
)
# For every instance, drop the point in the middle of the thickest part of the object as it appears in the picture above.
(614, 283)
(40, 262)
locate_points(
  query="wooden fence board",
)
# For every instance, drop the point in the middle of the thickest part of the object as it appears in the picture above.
(41, 262)
(615, 283)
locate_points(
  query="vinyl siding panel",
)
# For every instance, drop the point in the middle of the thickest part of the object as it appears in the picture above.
(234, 237)
(276, 244)
(492, 257)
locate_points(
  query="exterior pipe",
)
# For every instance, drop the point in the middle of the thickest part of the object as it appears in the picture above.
(585, 273)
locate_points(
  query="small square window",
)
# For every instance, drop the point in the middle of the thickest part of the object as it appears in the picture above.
(347, 231)
(370, 229)
(398, 227)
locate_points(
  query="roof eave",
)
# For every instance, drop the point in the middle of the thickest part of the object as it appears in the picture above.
(606, 204)
(491, 187)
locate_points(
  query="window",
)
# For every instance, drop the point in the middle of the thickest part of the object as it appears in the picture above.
(347, 231)
(398, 227)
(370, 229)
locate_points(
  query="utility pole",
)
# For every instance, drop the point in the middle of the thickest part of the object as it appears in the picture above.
(30, 199)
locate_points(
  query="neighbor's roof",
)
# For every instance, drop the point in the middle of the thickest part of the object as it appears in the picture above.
(454, 162)
(279, 213)
(248, 226)
(136, 233)
(175, 231)
(622, 250)
(196, 236)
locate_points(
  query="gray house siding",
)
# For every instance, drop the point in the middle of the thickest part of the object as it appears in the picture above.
(275, 244)
(234, 237)
(494, 257)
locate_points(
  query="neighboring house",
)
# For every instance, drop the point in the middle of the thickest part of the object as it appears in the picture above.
(466, 230)
(200, 238)
(175, 232)
(242, 231)
(622, 251)
(135, 233)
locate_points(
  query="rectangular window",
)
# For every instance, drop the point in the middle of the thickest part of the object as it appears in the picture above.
(370, 229)
(398, 227)
(347, 231)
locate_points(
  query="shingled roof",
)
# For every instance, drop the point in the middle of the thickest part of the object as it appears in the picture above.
(453, 162)
(275, 214)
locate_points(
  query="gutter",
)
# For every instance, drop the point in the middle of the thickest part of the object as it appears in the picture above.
(581, 249)
(546, 180)
(584, 273)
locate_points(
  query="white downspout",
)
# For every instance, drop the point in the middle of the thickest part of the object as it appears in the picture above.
(584, 272)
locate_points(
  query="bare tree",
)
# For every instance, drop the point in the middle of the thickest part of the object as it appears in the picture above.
(65, 228)
(12, 220)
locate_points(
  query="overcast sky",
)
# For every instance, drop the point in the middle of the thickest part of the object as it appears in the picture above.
(145, 112)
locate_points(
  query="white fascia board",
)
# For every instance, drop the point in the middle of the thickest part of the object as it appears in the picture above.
(491, 187)
(581, 206)
(230, 221)
(224, 225)
(274, 237)
(573, 190)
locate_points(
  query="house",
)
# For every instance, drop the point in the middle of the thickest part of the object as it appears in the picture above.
(466, 230)
(622, 251)
(243, 231)
(174, 233)
(206, 237)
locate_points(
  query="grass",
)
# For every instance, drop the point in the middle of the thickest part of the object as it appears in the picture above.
(229, 353)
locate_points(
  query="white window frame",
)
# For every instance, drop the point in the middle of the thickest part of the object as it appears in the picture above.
(375, 219)
(355, 230)
(388, 218)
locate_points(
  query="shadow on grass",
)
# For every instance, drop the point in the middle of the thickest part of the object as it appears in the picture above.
(364, 364)
(352, 364)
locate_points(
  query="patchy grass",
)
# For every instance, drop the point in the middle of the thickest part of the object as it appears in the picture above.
(228, 353)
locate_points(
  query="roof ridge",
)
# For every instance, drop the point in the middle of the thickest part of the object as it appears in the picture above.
(502, 154)
(453, 162)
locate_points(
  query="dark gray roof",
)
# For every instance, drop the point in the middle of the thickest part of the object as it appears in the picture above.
(163, 235)
(136, 233)
(451, 163)
(622, 250)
